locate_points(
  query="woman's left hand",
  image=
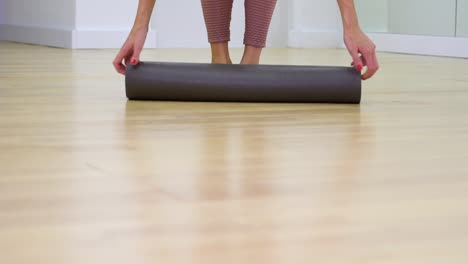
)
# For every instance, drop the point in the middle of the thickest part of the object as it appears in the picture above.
(362, 50)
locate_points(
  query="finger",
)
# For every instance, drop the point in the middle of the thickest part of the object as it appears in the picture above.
(119, 58)
(127, 59)
(369, 72)
(135, 59)
(119, 67)
(364, 63)
(357, 59)
(372, 67)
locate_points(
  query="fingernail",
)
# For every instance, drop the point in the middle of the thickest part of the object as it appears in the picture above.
(359, 67)
(133, 61)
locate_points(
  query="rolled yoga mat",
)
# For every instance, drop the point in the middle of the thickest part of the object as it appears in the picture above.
(170, 81)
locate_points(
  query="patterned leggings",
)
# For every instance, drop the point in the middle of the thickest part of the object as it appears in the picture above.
(258, 13)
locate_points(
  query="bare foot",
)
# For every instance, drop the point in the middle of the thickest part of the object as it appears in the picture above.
(251, 55)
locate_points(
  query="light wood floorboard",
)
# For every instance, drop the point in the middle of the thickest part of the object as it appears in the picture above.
(88, 177)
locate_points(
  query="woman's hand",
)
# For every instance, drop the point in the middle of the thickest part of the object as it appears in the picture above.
(131, 49)
(362, 50)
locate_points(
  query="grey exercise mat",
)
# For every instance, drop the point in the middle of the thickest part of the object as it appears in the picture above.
(242, 83)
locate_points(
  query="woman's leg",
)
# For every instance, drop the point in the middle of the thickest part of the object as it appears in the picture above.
(217, 14)
(258, 15)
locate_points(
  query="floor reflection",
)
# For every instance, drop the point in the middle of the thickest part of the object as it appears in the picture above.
(243, 154)
(219, 151)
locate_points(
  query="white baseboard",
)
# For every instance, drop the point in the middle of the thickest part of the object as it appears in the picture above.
(423, 45)
(70, 38)
(55, 37)
(310, 39)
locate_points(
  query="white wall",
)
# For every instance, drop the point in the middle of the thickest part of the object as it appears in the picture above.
(69, 23)
(44, 13)
(46, 22)
(279, 29)
(92, 24)
(105, 23)
(180, 24)
(314, 24)
(104, 14)
(296, 23)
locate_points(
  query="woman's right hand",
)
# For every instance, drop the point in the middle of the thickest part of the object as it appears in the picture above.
(131, 49)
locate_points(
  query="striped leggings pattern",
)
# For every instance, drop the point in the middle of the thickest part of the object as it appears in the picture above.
(258, 13)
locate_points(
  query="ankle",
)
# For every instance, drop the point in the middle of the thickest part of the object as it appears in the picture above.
(251, 55)
(220, 53)
(250, 59)
(221, 60)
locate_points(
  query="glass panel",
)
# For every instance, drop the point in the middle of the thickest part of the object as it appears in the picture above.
(414, 17)
(462, 18)
(373, 15)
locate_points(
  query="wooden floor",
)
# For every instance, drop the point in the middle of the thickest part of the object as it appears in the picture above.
(88, 177)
